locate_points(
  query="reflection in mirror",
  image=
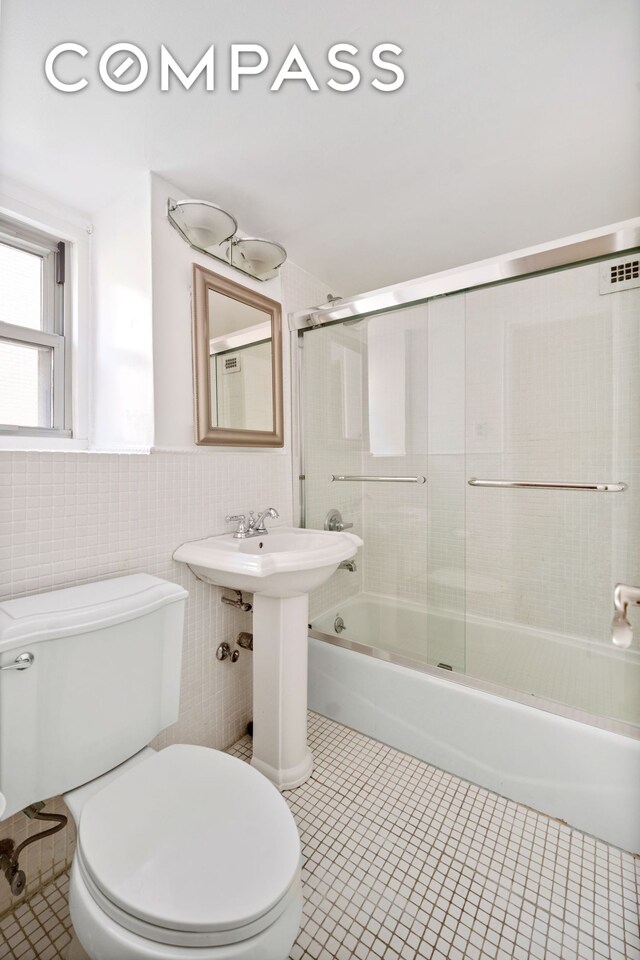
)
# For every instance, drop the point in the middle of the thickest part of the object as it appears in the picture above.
(240, 364)
(237, 363)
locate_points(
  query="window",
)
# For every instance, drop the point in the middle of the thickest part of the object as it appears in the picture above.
(33, 362)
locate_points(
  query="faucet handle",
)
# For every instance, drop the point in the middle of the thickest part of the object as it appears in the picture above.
(334, 522)
(241, 520)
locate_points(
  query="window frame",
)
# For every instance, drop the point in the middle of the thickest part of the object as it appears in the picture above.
(54, 334)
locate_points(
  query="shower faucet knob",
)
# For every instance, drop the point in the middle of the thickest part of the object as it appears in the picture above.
(334, 522)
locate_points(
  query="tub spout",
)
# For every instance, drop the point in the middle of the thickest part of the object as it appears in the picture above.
(621, 631)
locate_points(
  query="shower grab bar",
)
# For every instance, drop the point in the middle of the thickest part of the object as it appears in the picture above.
(381, 479)
(550, 485)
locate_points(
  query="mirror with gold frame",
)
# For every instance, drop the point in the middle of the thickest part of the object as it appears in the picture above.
(237, 363)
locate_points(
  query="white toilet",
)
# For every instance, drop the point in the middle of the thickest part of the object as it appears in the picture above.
(183, 853)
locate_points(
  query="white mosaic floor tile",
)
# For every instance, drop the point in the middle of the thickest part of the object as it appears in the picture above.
(404, 861)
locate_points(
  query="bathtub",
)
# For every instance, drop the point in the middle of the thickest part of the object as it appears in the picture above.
(474, 715)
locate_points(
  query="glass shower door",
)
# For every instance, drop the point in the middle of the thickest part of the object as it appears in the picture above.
(379, 396)
(553, 396)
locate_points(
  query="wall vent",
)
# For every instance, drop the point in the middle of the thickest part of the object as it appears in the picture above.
(232, 364)
(620, 274)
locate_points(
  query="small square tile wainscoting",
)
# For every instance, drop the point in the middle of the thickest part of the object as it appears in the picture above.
(67, 519)
(405, 862)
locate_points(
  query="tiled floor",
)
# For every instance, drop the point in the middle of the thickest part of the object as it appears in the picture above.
(404, 861)
(40, 927)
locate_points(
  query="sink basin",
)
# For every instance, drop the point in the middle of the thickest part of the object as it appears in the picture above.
(286, 562)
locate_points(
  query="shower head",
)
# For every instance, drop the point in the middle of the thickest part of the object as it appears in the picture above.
(621, 630)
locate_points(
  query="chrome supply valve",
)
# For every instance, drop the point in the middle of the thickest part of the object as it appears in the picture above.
(224, 652)
(16, 877)
(9, 853)
(238, 602)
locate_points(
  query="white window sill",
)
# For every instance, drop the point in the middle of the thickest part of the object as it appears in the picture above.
(40, 444)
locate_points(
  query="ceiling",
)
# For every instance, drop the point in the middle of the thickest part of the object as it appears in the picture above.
(517, 123)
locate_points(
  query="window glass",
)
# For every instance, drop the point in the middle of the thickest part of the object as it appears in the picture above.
(25, 384)
(20, 287)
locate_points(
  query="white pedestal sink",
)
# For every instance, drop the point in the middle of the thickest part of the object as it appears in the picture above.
(279, 568)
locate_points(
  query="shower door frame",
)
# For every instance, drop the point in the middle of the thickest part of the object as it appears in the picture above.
(617, 239)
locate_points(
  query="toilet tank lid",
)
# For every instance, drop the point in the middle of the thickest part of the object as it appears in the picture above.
(91, 606)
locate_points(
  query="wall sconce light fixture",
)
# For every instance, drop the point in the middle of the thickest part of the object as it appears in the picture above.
(211, 230)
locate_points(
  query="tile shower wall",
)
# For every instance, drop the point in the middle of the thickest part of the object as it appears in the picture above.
(67, 519)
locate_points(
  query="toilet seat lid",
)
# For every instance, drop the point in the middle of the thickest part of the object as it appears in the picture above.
(191, 840)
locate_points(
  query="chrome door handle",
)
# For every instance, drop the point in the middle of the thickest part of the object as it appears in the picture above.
(22, 662)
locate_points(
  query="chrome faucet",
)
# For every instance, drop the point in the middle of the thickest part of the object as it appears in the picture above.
(251, 526)
(258, 526)
(621, 631)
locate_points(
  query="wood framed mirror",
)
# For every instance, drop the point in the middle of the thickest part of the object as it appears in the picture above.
(237, 363)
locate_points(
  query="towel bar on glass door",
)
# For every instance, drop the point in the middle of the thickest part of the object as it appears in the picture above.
(382, 479)
(550, 485)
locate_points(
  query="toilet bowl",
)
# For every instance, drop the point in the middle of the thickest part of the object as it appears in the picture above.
(184, 853)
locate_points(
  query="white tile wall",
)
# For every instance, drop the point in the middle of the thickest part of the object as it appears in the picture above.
(71, 518)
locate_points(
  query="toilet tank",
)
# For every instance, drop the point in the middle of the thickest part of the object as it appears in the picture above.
(105, 679)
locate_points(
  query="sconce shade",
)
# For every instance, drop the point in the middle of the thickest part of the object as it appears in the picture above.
(202, 224)
(259, 258)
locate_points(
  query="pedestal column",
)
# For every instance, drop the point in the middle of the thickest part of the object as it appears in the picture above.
(280, 644)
